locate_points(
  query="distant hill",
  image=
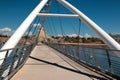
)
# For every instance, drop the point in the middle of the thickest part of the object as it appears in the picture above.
(115, 35)
(3, 39)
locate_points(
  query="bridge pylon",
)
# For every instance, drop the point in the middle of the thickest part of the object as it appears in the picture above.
(42, 35)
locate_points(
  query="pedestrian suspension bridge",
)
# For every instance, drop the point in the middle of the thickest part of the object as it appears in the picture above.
(38, 50)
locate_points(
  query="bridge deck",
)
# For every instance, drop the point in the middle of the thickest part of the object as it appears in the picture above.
(45, 63)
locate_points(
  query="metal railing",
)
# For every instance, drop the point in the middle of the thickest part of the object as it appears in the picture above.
(99, 59)
(15, 60)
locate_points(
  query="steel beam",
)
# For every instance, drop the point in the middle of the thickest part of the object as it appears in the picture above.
(58, 15)
(92, 25)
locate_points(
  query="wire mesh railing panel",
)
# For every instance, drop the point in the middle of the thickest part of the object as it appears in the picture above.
(101, 59)
(115, 62)
(14, 60)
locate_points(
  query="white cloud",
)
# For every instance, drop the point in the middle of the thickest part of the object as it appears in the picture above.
(6, 31)
(87, 35)
(30, 33)
(59, 35)
(70, 35)
(74, 35)
(36, 25)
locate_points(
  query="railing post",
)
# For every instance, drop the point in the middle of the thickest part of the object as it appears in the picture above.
(12, 65)
(19, 60)
(77, 53)
(84, 53)
(94, 58)
(109, 61)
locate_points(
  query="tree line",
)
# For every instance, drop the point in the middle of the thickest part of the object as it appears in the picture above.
(78, 39)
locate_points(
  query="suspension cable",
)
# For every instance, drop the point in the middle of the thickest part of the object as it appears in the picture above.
(47, 8)
(79, 30)
(36, 29)
(74, 29)
(29, 30)
(53, 26)
(26, 37)
(31, 27)
(59, 19)
(51, 29)
(37, 26)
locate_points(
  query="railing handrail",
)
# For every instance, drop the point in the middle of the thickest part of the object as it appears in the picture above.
(88, 46)
(16, 47)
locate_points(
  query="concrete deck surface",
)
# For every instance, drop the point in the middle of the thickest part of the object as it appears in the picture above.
(47, 64)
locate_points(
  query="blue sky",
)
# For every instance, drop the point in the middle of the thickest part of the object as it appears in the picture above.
(105, 13)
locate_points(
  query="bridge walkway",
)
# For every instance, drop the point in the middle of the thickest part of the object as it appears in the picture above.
(45, 63)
